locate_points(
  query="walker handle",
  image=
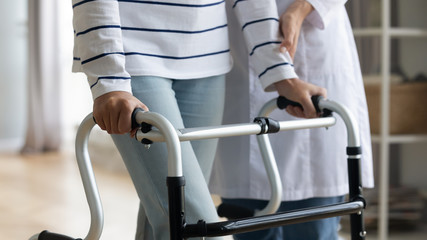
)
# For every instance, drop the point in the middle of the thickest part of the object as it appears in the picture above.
(145, 127)
(283, 102)
(135, 124)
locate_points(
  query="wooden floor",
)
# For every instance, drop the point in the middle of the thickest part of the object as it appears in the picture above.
(45, 192)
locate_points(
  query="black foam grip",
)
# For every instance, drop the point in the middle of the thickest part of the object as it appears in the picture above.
(46, 235)
(231, 211)
(283, 102)
(354, 151)
(315, 100)
(135, 124)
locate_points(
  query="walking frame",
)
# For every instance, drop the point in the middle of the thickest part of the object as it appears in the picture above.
(267, 217)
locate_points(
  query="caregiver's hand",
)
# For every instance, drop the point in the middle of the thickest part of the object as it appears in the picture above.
(290, 25)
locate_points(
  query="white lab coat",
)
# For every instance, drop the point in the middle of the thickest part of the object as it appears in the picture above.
(312, 163)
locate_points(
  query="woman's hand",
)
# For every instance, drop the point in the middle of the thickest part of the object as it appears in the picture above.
(290, 25)
(301, 92)
(113, 111)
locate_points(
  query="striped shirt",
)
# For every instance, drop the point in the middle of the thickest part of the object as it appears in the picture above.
(178, 39)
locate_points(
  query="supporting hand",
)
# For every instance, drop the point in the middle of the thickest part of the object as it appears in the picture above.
(113, 111)
(301, 92)
(290, 25)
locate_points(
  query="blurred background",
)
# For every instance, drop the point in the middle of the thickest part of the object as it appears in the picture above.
(42, 104)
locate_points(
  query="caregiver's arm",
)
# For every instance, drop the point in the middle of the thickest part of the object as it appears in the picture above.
(260, 27)
(290, 24)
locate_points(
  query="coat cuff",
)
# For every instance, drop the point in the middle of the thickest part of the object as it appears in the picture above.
(321, 16)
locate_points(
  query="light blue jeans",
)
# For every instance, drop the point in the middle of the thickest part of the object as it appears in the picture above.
(323, 229)
(185, 103)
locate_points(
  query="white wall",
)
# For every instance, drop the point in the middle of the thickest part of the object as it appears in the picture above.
(13, 74)
(76, 96)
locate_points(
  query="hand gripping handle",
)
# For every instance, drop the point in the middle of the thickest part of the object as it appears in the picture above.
(145, 127)
(283, 102)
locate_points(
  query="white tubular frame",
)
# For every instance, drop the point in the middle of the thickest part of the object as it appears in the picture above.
(170, 136)
(166, 133)
(247, 129)
(88, 178)
(189, 134)
(353, 138)
(268, 155)
(270, 165)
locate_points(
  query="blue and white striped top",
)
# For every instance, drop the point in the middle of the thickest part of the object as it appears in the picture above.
(179, 39)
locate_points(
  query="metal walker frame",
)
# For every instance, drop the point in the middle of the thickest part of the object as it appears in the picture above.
(266, 218)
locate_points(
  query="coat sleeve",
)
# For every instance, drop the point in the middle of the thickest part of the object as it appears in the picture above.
(98, 47)
(323, 10)
(259, 23)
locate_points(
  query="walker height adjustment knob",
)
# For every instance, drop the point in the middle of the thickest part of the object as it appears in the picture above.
(145, 127)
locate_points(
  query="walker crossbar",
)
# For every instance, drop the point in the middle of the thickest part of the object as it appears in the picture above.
(179, 228)
(202, 229)
(230, 130)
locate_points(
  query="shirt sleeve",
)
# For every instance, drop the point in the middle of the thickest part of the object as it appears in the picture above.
(98, 47)
(259, 22)
(321, 15)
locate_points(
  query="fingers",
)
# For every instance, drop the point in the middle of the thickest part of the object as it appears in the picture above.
(301, 92)
(106, 120)
(143, 106)
(322, 92)
(124, 121)
(290, 27)
(288, 47)
(286, 43)
(295, 111)
(309, 110)
(307, 103)
(100, 122)
(102, 119)
(289, 41)
(113, 111)
(133, 132)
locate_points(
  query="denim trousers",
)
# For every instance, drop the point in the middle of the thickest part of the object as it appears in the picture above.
(323, 229)
(186, 104)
